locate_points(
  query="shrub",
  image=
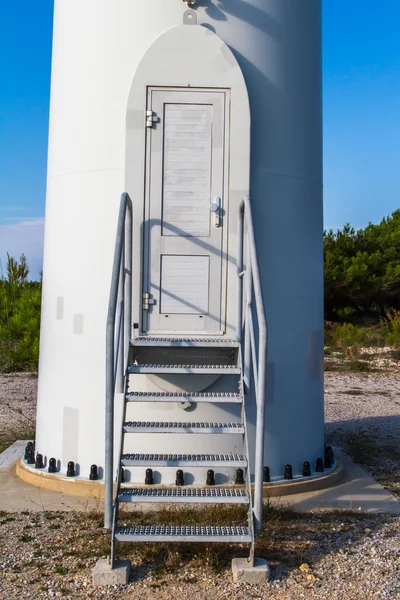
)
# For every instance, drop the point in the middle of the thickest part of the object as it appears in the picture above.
(19, 318)
(348, 335)
(390, 327)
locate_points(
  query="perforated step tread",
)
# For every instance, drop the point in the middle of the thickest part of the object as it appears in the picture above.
(187, 496)
(184, 342)
(183, 460)
(218, 398)
(181, 427)
(186, 369)
(174, 533)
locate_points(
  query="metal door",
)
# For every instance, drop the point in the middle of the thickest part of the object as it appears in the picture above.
(185, 212)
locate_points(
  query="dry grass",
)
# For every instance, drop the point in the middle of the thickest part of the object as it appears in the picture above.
(164, 557)
(350, 365)
(87, 539)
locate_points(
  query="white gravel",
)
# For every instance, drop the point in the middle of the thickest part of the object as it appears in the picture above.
(17, 407)
(17, 400)
(362, 416)
(371, 401)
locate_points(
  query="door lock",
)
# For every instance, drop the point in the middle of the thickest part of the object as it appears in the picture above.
(215, 207)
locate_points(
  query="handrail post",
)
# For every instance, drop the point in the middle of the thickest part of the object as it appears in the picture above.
(259, 458)
(239, 308)
(128, 284)
(121, 326)
(110, 361)
(262, 366)
(248, 308)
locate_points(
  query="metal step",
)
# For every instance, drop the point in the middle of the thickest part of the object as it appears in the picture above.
(186, 369)
(183, 460)
(171, 342)
(218, 398)
(173, 533)
(175, 427)
(182, 495)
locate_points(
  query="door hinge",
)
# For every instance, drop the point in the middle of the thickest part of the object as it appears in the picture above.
(151, 118)
(147, 301)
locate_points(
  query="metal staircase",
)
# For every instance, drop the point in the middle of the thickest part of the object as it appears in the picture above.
(231, 494)
(129, 359)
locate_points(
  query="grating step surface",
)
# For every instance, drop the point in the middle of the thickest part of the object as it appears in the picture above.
(181, 427)
(173, 533)
(183, 460)
(190, 369)
(218, 398)
(172, 342)
(188, 496)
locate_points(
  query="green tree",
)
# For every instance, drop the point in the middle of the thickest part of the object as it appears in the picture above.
(17, 272)
(362, 269)
(20, 301)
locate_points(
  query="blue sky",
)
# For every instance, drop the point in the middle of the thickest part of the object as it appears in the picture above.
(361, 74)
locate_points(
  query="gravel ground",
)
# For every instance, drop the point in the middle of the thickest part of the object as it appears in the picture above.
(17, 407)
(362, 416)
(343, 556)
(17, 399)
(340, 555)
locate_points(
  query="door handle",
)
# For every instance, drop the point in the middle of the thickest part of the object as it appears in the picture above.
(215, 207)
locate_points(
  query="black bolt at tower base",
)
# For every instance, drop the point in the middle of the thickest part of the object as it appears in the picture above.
(94, 473)
(30, 456)
(239, 477)
(71, 469)
(266, 475)
(288, 472)
(306, 469)
(179, 478)
(329, 457)
(210, 477)
(329, 451)
(319, 466)
(39, 461)
(28, 448)
(149, 477)
(52, 466)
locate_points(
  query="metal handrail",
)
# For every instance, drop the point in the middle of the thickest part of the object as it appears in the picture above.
(118, 336)
(245, 328)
